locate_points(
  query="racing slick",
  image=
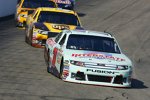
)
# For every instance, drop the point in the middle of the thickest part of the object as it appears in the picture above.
(65, 4)
(88, 57)
(26, 7)
(49, 22)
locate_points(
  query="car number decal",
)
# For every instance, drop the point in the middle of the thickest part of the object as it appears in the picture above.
(54, 56)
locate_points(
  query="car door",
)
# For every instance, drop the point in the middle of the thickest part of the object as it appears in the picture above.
(59, 56)
(53, 49)
(56, 51)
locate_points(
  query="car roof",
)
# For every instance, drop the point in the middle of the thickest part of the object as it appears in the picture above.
(89, 32)
(56, 10)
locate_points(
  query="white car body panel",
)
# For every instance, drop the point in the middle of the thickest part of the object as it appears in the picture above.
(96, 64)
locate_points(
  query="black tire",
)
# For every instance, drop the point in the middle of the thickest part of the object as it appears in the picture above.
(30, 36)
(48, 70)
(26, 39)
(16, 24)
(61, 69)
(24, 24)
(46, 57)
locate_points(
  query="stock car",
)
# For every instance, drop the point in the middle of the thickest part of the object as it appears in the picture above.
(26, 7)
(65, 4)
(49, 22)
(88, 57)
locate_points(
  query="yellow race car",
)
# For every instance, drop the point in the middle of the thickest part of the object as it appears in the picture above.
(48, 22)
(26, 7)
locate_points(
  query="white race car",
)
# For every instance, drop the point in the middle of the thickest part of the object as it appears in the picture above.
(88, 57)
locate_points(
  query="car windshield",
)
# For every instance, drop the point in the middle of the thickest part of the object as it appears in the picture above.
(38, 3)
(92, 43)
(58, 18)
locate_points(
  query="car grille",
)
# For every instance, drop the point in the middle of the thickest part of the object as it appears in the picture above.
(99, 78)
(101, 66)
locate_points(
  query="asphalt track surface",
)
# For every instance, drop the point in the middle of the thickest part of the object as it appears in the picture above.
(23, 74)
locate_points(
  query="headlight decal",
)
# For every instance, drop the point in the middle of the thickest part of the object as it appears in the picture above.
(122, 67)
(23, 15)
(77, 63)
(43, 32)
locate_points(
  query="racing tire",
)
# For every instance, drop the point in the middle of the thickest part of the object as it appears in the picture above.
(46, 57)
(16, 24)
(61, 69)
(26, 39)
(24, 24)
(30, 37)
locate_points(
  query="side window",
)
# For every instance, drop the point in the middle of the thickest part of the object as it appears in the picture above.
(117, 50)
(63, 40)
(58, 37)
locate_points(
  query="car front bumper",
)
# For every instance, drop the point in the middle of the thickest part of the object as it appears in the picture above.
(96, 76)
(21, 21)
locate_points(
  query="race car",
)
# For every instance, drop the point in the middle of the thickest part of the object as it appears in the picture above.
(26, 7)
(66, 4)
(88, 57)
(49, 22)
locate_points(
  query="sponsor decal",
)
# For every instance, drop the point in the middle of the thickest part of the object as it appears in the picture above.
(65, 69)
(50, 42)
(98, 56)
(65, 72)
(60, 27)
(54, 56)
(101, 71)
(58, 60)
(63, 1)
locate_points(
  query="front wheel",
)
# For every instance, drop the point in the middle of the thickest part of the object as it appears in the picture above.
(61, 70)
(46, 56)
(31, 37)
(26, 32)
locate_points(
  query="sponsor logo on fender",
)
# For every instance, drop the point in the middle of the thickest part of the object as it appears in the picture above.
(101, 71)
(50, 42)
(98, 56)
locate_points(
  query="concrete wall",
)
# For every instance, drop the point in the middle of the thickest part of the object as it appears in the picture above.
(7, 7)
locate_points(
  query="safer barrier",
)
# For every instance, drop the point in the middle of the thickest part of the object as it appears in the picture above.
(7, 7)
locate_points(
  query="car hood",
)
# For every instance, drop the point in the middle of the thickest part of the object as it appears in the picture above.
(59, 27)
(55, 27)
(97, 57)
